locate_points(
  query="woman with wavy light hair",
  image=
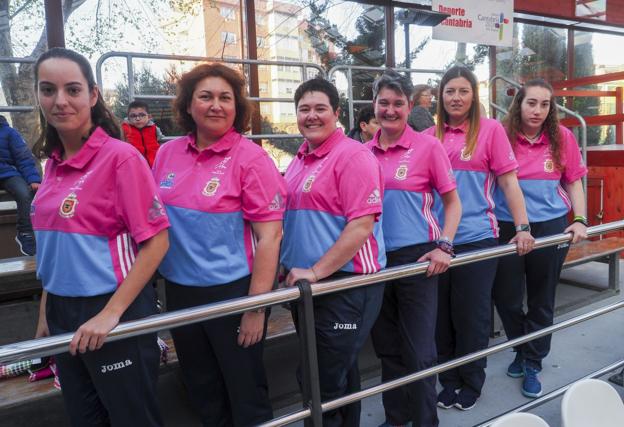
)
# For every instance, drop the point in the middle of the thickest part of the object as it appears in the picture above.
(550, 172)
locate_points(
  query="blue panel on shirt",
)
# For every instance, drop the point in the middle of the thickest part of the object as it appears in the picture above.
(543, 201)
(403, 220)
(65, 268)
(475, 224)
(309, 235)
(198, 258)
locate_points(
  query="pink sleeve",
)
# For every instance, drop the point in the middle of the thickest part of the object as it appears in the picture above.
(359, 186)
(443, 179)
(138, 202)
(575, 169)
(263, 190)
(501, 155)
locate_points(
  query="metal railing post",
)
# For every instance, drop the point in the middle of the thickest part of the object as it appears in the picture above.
(310, 384)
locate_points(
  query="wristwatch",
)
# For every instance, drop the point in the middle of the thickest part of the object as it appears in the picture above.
(523, 227)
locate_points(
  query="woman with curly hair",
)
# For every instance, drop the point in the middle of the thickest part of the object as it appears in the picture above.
(550, 172)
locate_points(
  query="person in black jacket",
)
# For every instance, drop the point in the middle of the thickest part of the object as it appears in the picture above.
(20, 178)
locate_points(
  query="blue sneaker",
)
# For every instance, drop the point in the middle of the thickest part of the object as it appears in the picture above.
(26, 243)
(516, 368)
(531, 386)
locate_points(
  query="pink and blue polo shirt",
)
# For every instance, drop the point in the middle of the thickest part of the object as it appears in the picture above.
(412, 167)
(89, 214)
(540, 180)
(337, 182)
(476, 176)
(212, 196)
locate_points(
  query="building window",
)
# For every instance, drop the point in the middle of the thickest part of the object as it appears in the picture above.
(228, 37)
(228, 13)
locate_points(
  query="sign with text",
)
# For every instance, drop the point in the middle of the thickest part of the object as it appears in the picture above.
(475, 21)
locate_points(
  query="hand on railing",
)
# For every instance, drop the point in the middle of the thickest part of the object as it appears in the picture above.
(578, 230)
(439, 261)
(92, 333)
(524, 242)
(301, 274)
(251, 328)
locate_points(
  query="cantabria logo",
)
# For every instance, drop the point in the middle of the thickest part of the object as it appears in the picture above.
(501, 24)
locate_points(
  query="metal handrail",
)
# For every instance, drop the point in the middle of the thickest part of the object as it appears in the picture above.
(351, 68)
(16, 108)
(576, 115)
(58, 343)
(399, 382)
(130, 55)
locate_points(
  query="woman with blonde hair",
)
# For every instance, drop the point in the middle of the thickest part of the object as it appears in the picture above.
(481, 157)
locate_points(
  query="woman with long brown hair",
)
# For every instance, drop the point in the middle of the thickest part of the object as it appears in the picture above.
(481, 157)
(550, 172)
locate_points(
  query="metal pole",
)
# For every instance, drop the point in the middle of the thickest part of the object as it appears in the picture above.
(408, 59)
(350, 100)
(310, 385)
(130, 78)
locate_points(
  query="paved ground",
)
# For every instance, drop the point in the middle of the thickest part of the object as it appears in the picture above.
(576, 352)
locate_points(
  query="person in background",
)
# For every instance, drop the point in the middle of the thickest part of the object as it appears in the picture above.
(480, 155)
(101, 232)
(414, 166)
(332, 229)
(550, 173)
(139, 130)
(366, 125)
(420, 117)
(225, 199)
(20, 178)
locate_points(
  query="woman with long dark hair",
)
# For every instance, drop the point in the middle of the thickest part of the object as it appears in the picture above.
(550, 172)
(481, 156)
(97, 203)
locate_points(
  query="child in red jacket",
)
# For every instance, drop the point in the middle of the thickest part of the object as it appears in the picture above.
(140, 131)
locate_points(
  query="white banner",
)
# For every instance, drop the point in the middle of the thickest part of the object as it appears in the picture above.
(475, 21)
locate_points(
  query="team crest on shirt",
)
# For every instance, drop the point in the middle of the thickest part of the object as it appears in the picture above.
(277, 202)
(68, 206)
(211, 187)
(156, 209)
(464, 156)
(401, 173)
(307, 185)
(167, 181)
(549, 166)
(374, 197)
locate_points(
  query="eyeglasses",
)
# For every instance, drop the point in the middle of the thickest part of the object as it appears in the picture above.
(137, 116)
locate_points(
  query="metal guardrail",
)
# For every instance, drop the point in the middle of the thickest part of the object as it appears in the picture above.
(16, 108)
(304, 293)
(350, 68)
(132, 95)
(583, 134)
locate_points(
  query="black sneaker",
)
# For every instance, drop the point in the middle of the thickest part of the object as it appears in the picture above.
(447, 398)
(466, 400)
(26, 243)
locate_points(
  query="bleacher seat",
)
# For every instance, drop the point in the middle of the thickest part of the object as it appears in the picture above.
(592, 403)
(520, 419)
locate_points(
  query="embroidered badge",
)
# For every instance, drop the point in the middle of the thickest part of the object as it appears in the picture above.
(307, 186)
(276, 204)
(401, 173)
(374, 197)
(167, 182)
(549, 165)
(211, 187)
(156, 210)
(463, 156)
(68, 206)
